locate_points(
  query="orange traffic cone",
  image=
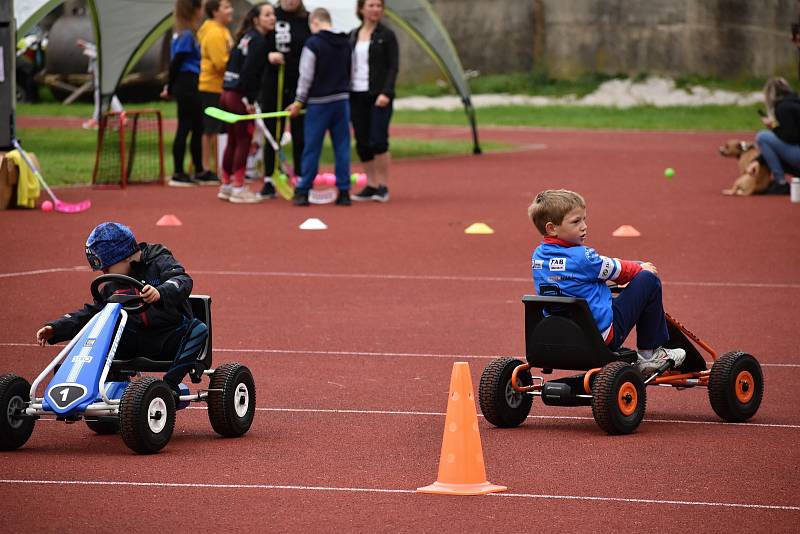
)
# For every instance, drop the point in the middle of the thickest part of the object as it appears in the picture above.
(169, 220)
(461, 467)
(626, 230)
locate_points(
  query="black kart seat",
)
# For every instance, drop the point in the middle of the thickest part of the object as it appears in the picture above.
(566, 338)
(201, 309)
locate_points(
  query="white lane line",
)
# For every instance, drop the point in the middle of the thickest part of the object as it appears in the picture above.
(786, 508)
(542, 417)
(380, 354)
(44, 271)
(374, 276)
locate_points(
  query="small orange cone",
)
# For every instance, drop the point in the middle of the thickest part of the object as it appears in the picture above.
(461, 467)
(626, 230)
(169, 220)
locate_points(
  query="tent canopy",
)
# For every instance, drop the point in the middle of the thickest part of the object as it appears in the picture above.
(125, 29)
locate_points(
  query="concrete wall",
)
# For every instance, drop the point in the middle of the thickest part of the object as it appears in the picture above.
(720, 38)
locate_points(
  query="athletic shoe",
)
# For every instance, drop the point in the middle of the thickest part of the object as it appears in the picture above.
(344, 198)
(382, 194)
(206, 178)
(182, 179)
(774, 188)
(91, 124)
(300, 199)
(648, 362)
(225, 191)
(365, 194)
(268, 191)
(244, 196)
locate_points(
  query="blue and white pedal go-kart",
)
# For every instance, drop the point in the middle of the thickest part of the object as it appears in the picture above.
(112, 395)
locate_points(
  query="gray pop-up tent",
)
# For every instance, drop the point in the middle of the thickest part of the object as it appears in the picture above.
(125, 29)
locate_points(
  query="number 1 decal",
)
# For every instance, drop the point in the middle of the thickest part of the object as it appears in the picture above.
(64, 393)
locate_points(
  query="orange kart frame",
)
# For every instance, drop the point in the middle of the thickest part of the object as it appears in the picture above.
(671, 378)
(560, 333)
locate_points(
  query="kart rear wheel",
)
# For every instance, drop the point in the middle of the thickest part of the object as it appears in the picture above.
(231, 400)
(618, 398)
(735, 386)
(103, 428)
(147, 415)
(500, 403)
(15, 394)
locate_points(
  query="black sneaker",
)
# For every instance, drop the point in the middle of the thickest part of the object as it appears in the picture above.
(300, 199)
(382, 194)
(182, 179)
(365, 194)
(774, 188)
(344, 198)
(206, 178)
(268, 191)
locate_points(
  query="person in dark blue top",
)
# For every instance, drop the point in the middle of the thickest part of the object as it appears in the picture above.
(184, 72)
(240, 87)
(324, 86)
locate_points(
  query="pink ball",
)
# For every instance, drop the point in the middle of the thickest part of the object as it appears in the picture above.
(47, 206)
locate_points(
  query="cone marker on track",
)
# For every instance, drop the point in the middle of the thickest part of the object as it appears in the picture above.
(479, 228)
(169, 220)
(461, 467)
(626, 230)
(313, 224)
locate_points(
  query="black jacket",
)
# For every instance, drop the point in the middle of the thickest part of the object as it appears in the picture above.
(787, 113)
(246, 65)
(383, 59)
(156, 267)
(289, 37)
(325, 74)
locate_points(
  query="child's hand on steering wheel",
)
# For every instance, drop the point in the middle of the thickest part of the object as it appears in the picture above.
(150, 294)
(44, 334)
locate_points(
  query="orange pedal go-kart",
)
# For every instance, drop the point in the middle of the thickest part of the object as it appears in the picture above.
(566, 338)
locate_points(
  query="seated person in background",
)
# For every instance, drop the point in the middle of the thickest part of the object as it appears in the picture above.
(167, 329)
(564, 263)
(780, 144)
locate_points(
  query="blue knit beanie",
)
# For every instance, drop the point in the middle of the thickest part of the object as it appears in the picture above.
(109, 243)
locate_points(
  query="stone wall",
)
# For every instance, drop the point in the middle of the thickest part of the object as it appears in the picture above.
(720, 38)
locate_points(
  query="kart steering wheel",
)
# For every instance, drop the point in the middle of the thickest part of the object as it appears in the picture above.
(130, 303)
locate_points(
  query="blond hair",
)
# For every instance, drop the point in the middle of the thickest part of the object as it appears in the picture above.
(552, 206)
(774, 90)
(321, 15)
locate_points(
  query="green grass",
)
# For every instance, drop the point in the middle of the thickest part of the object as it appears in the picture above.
(699, 118)
(67, 156)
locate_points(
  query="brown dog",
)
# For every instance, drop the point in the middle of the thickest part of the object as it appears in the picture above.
(746, 184)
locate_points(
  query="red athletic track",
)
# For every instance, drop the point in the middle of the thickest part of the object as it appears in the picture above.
(351, 334)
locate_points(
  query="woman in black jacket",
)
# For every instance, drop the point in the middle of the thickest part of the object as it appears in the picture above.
(780, 144)
(375, 64)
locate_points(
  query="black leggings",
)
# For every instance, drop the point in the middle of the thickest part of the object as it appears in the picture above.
(190, 120)
(370, 125)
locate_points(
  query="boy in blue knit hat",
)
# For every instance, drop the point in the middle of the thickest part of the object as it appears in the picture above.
(167, 329)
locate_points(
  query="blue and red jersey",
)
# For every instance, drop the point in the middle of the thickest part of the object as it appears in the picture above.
(579, 271)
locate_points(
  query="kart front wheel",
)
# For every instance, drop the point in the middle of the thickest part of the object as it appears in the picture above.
(618, 398)
(735, 386)
(147, 415)
(15, 394)
(501, 404)
(231, 400)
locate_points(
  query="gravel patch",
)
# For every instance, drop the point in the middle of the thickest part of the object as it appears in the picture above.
(654, 91)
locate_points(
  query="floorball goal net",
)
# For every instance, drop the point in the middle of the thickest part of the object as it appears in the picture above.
(130, 149)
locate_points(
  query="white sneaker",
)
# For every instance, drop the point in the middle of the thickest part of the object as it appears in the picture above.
(648, 363)
(244, 196)
(225, 192)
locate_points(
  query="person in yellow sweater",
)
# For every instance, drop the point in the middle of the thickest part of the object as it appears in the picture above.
(215, 45)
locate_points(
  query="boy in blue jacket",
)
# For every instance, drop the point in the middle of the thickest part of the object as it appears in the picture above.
(165, 331)
(324, 85)
(562, 264)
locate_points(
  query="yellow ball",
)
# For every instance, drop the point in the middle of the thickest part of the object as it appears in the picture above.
(669, 172)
